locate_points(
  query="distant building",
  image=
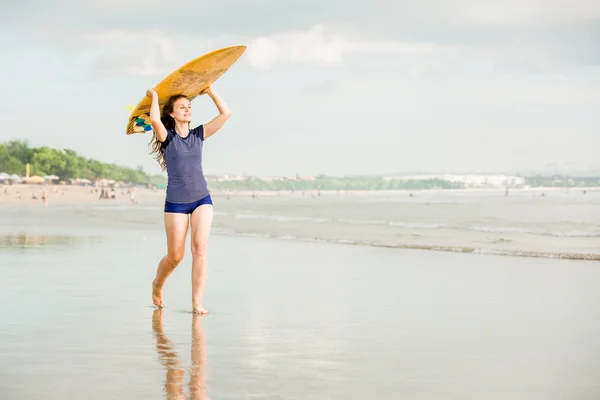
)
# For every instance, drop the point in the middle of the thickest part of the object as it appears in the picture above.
(270, 178)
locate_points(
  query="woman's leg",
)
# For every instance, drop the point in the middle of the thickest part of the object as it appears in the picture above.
(176, 226)
(200, 221)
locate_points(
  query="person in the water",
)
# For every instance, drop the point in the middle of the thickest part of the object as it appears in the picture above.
(178, 149)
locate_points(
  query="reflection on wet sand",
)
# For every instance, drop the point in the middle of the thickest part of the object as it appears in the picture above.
(169, 360)
(23, 240)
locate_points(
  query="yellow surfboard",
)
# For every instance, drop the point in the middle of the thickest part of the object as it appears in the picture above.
(190, 80)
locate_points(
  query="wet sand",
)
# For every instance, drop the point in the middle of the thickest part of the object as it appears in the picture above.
(290, 320)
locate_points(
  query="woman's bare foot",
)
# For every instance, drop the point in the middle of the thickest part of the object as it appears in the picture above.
(157, 295)
(200, 310)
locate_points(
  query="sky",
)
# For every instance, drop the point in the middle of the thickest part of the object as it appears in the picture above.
(324, 87)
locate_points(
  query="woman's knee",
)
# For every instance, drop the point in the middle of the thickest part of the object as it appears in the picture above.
(199, 248)
(174, 257)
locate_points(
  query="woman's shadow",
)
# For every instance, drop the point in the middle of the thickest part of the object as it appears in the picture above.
(174, 371)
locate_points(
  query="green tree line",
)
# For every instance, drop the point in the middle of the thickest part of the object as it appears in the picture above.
(324, 182)
(66, 164)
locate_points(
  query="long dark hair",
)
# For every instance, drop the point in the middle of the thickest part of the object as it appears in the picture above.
(169, 123)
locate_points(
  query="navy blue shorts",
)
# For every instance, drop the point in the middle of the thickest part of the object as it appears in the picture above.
(186, 208)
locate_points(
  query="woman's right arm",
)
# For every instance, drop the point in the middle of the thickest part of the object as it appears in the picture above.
(159, 129)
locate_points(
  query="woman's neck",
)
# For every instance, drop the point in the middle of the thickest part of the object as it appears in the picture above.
(182, 128)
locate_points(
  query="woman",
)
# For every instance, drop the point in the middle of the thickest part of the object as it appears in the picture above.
(178, 149)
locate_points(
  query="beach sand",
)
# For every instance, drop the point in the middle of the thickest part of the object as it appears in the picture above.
(292, 320)
(289, 319)
(70, 195)
(74, 195)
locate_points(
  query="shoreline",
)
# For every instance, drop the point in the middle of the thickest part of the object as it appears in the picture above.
(573, 256)
(74, 195)
(240, 214)
(397, 191)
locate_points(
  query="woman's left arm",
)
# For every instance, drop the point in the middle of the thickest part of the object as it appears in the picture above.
(216, 123)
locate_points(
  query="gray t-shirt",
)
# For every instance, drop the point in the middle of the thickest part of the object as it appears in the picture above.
(183, 159)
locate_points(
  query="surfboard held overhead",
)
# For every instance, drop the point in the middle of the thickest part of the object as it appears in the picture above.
(190, 79)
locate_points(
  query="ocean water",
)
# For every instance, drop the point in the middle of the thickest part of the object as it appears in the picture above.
(291, 319)
(555, 223)
(549, 223)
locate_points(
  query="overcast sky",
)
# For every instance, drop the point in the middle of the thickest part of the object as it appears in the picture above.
(334, 87)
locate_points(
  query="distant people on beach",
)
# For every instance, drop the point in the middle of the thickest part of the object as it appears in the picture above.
(107, 194)
(132, 197)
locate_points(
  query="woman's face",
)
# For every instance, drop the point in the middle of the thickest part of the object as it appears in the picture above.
(182, 110)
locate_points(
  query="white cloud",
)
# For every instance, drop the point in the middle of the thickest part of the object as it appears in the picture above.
(133, 53)
(142, 54)
(263, 52)
(313, 47)
(301, 47)
(380, 46)
(156, 53)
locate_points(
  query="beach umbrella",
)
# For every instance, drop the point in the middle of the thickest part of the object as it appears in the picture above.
(3, 175)
(14, 177)
(50, 177)
(35, 179)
